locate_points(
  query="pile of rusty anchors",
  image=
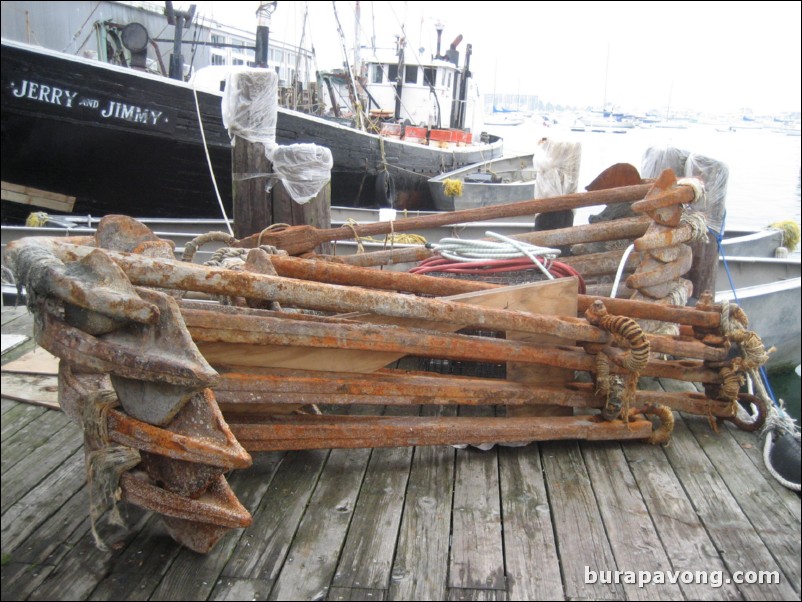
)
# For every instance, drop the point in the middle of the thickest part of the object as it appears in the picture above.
(169, 363)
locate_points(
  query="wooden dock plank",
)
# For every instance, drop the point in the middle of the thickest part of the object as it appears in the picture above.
(21, 444)
(234, 588)
(356, 594)
(420, 569)
(753, 448)
(80, 564)
(633, 538)
(139, 568)
(193, 576)
(457, 594)
(17, 320)
(764, 509)
(124, 587)
(754, 489)
(6, 405)
(21, 579)
(261, 551)
(477, 557)
(41, 502)
(530, 551)
(77, 573)
(581, 539)
(31, 389)
(682, 533)
(312, 557)
(45, 454)
(367, 556)
(737, 541)
(16, 416)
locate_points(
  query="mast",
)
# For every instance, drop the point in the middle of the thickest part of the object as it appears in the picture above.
(180, 19)
(399, 80)
(263, 15)
(352, 91)
(357, 55)
(606, 72)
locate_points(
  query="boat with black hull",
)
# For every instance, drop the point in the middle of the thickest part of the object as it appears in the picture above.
(118, 140)
(123, 140)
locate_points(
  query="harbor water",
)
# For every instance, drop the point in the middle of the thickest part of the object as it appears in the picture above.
(763, 188)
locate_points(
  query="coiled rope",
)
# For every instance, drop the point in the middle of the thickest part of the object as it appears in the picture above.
(485, 257)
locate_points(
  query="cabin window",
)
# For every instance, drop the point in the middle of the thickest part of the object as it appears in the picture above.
(238, 62)
(392, 73)
(218, 59)
(448, 85)
(218, 39)
(378, 72)
(411, 74)
(429, 75)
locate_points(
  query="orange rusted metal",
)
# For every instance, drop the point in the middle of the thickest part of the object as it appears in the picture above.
(322, 432)
(301, 239)
(141, 368)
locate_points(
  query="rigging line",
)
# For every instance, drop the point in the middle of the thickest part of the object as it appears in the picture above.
(357, 108)
(209, 160)
(81, 28)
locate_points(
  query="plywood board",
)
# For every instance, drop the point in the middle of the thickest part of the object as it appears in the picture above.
(521, 297)
(38, 361)
(10, 341)
(558, 299)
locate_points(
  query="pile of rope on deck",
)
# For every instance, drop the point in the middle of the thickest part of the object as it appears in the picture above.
(485, 257)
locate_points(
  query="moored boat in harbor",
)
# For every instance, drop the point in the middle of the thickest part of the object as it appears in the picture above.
(120, 139)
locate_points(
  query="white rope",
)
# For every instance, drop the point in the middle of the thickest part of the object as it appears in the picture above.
(209, 160)
(463, 250)
(777, 420)
(697, 186)
(620, 270)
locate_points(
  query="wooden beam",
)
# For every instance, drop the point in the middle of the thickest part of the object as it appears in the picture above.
(25, 195)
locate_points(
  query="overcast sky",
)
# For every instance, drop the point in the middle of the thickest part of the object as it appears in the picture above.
(707, 56)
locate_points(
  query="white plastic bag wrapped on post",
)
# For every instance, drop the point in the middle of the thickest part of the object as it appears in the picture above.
(304, 169)
(250, 105)
(557, 165)
(715, 176)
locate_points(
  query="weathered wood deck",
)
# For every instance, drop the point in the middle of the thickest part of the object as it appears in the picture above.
(427, 523)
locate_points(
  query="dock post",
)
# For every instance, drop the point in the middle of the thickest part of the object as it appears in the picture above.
(250, 113)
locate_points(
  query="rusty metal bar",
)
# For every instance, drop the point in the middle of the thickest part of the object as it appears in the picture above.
(254, 392)
(349, 275)
(630, 227)
(627, 228)
(249, 335)
(239, 392)
(301, 239)
(203, 450)
(169, 274)
(324, 432)
(653, 311)
(660, 237)
(652, 272)
(336, 273)
(597, 264)
(383, 258)
(88, 352)
(206, 327)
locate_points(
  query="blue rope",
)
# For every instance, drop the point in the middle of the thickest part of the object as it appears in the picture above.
(719, 236)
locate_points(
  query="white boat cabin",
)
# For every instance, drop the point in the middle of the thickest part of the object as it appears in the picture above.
(428, 90)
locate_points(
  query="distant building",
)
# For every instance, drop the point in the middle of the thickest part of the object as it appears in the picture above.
(95, 30)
